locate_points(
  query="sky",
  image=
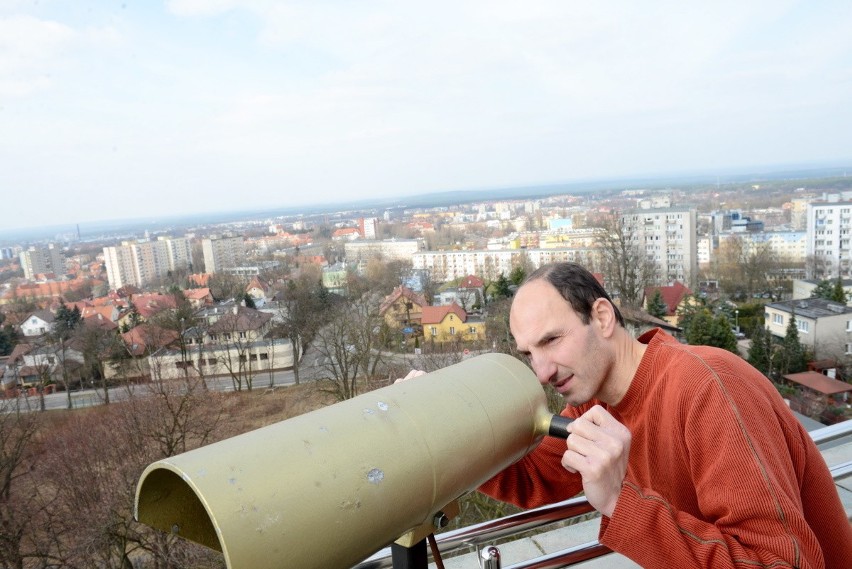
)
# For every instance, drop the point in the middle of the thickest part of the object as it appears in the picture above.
(135, 109)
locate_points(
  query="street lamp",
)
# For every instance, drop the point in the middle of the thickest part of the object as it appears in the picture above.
(737, 319)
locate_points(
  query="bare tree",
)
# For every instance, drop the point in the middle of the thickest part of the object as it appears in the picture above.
(302, 305)
(22, 504)
(744, 268)
(349, 348)
(627, 267)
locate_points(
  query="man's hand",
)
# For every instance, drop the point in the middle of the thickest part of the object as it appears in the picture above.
(411, 374)
(598, 448)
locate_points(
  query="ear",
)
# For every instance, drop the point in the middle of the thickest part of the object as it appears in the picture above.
(603, 316)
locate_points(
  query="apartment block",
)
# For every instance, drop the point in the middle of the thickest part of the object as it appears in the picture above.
(368, 227)
(668, 237)
(40, 260)
(137, 263)
(786, 246)
(489, 264)
(359, 252)
(828, 238)
(222, 252)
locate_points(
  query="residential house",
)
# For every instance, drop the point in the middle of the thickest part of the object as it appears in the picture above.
(38, 323)
(675, 296)
(232, 340)
(803, 288)
(451, 323)
(258, 290)
(346, 234)
(637, 322)
(198, 297)
(824, 326)
(140, 342)
(402, 308)
(51, 363)
(151, 304)
(467, 293)
(109, 312)
(818, 391)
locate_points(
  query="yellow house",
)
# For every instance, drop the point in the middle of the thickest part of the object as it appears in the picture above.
(402, 308)
(451, 323)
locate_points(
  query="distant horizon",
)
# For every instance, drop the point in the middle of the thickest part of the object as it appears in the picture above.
(150, 111)
(794, 171)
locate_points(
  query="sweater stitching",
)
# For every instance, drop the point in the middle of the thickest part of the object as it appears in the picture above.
(684, 531)
(744, 432)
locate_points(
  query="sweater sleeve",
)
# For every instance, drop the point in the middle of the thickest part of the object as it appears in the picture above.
(538, 478)
(745, 467)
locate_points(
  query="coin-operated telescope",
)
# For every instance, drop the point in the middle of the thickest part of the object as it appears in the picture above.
(329, 488)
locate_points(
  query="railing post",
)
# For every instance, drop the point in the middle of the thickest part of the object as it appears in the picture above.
(413, 557)
(490, 558)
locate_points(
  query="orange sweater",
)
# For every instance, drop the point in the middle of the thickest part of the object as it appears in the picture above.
(721, 474)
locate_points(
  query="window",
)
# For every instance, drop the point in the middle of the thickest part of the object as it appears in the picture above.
(264, 356)
(802, 326)
(242, 335)
(848, 349)
(211, 361)
(452, 330)
(433, 330)
(778, 319)
(472, 330)
(849, 325)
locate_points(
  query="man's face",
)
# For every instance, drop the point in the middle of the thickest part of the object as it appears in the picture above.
(562, 350)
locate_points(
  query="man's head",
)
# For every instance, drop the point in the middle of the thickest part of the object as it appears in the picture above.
(565, 324)
(577, 286)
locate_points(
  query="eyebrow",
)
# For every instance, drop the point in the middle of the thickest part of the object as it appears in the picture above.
(543, 339)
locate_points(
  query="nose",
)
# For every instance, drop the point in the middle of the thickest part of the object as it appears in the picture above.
(544, 370)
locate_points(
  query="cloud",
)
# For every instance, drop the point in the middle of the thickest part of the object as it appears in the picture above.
(33, 51)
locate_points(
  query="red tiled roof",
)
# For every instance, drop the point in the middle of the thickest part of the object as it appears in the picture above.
(98, 321)
(819, 382)
(244, 320)
(196, 293)
(672, 295)
(148, 336)
(471, 281)
(398, 292)
(199, 279)
(346, 231)
(436, 314)
(19, 351)
(149, 304)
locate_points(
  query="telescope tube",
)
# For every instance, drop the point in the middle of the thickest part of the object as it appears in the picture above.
(329, 488)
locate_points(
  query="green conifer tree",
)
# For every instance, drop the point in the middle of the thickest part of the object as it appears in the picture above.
(657, 306)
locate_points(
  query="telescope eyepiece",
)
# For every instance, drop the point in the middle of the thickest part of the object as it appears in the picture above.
(559, 426)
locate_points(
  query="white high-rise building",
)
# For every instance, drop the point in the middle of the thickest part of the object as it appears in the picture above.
(40, 260)
(828, 239)
(222, 253)
(140, 262)
(668, 237)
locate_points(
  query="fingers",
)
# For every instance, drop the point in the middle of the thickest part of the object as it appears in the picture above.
(412, 374)
(598, 447)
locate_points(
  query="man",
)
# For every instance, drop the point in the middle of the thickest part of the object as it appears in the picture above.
(689, 453)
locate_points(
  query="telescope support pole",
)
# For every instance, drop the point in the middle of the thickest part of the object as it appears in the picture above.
(413, 557)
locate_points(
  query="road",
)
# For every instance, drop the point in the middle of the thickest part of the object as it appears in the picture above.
(312, 366)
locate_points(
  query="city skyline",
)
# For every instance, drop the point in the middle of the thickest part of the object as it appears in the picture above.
(130, 111)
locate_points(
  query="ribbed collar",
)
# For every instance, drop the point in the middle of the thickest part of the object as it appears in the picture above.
(632, 400)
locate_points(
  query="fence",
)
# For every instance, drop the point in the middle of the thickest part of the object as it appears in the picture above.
(477, 537)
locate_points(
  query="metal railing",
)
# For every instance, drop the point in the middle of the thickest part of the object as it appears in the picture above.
(474, 538)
